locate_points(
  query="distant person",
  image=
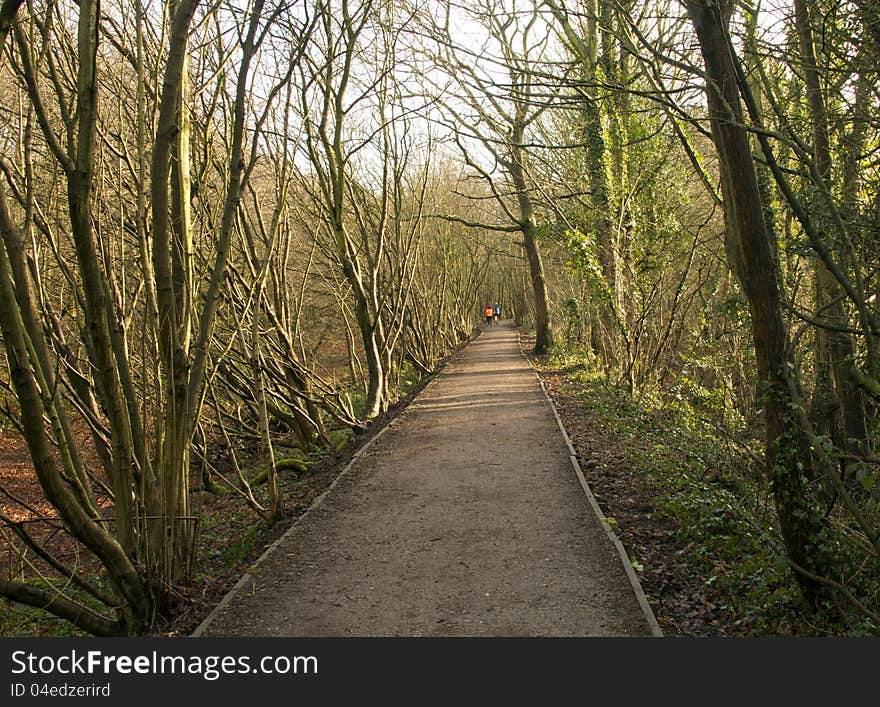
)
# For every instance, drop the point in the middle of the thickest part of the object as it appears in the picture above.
(490, 313)
(496, 311)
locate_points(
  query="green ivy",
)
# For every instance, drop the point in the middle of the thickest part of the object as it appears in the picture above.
(715, 494)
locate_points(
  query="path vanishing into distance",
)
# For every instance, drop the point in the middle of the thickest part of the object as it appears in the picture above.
(464, 517)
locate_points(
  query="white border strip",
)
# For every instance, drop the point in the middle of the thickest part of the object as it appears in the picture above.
(656, 631)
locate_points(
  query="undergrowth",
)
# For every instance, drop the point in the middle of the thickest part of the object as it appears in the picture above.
(230, 534)
(705, 475)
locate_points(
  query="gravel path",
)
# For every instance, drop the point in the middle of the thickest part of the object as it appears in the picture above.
(465, 518)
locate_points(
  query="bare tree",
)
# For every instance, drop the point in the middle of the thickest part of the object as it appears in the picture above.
(146, 449)
(497, 101)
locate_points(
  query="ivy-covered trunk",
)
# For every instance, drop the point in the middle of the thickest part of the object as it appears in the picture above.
(789, 460)
(835, 342)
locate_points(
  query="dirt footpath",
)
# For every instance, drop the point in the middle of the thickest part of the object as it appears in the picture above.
(465, 518)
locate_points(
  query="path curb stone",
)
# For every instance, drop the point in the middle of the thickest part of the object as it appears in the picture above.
(656, 631)
(251, 569)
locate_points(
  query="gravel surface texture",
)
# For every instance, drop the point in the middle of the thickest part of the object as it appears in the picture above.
(464, 518)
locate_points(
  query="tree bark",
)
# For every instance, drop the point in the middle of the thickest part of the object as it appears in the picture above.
(517, 167)
(788, 456)
(168, 499)
(834, 346)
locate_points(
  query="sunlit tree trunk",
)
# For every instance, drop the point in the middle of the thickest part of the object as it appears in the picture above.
(543, 324)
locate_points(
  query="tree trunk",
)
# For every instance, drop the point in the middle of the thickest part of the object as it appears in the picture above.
(788, 455)
(586, 47)
(168, 501)
(375, 370)
(834, 344)
(543, 323)
(80, 183)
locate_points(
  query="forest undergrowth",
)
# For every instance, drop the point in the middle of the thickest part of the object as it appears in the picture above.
(230, 536)
(690, 503)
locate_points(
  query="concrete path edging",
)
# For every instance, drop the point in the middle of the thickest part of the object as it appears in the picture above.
(251, 569)
(656, 631)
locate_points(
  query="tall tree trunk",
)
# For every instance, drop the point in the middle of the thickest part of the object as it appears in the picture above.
(543, 323)
(168, 502)
(181, 219)
(788, 456)
(833, 342)
(80, 183)
(586, 47)
(376, 373)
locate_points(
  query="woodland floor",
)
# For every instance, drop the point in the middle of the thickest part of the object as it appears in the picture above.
(676, 590)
